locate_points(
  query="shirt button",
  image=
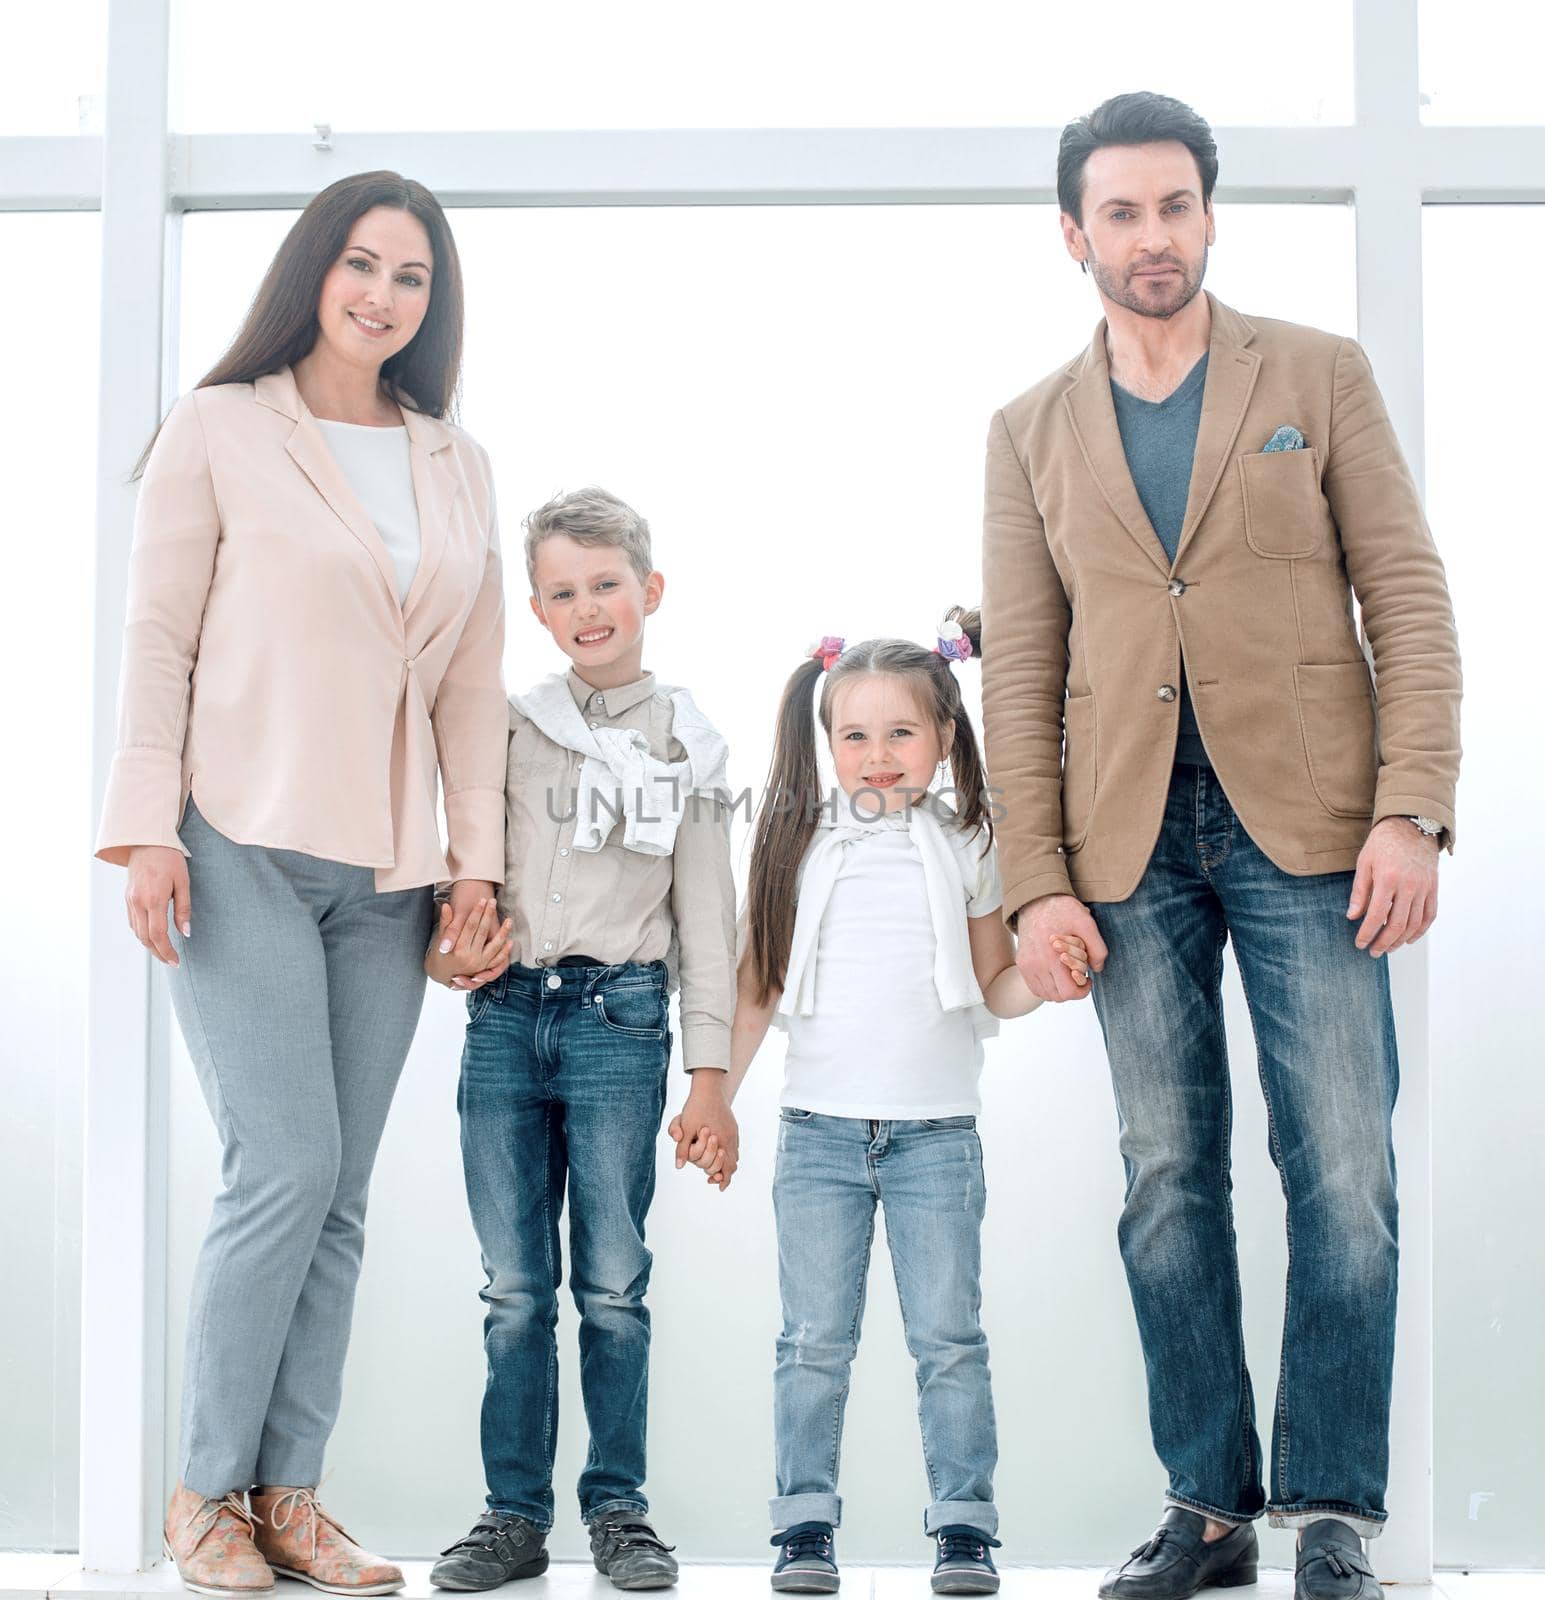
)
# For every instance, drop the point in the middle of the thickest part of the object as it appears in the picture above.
(554, 981)
(600, 699)
(594, 723)
(1166, 691)
(563, 849)
(1177, 587)
(557, 899)
(547, 944)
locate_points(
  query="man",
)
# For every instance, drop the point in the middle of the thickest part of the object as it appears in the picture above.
(1191, 750)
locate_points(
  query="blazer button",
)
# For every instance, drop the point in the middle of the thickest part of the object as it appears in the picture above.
(1177, 587)
(1166, 691)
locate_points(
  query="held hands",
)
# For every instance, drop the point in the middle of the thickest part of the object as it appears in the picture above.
(1059, 946)
(705, 1129)
(158, 874)
(1395, 890)
(479, 952)
(1074, 954)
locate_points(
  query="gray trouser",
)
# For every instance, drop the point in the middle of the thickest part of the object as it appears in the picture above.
(298, 995)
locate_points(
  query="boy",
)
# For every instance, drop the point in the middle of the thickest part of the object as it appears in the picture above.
(617, 879)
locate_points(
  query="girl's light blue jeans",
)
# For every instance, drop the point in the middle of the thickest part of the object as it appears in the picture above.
(832, 1175)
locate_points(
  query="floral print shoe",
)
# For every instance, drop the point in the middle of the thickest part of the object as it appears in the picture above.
(300, 1540)
(211, 1542)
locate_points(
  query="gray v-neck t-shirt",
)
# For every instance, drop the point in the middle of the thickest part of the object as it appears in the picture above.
(1159, 438)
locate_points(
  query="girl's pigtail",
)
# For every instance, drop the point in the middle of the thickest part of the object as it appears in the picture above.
(967, 767)
(785, 823)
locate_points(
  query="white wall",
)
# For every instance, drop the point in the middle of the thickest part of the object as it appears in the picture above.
(798, 400)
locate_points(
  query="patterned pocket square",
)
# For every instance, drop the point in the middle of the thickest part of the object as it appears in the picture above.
(1285, 438)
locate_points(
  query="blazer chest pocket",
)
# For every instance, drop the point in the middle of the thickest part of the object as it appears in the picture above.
(1285, 513)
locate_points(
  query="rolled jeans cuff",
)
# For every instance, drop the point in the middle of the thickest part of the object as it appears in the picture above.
(789, 1510)
(1368, 1526)
(609, 1508)
(1233, 1518)
(979, 1515)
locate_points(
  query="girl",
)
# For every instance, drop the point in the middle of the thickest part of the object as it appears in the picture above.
(875, 939)
(315, 624)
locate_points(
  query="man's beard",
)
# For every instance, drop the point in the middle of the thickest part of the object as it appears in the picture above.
(1121, 291)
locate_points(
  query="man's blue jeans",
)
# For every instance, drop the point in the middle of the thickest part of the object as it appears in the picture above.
(832, 1175)
(1325, 1042)
(563, 1084)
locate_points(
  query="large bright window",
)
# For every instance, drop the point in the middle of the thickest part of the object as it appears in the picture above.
(1480, 62)
(1483, 362)
(798, 400)
(51, 67)
(48, 420)
(705, 64)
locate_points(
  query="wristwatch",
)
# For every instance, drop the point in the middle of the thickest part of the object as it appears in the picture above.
(1428, 826)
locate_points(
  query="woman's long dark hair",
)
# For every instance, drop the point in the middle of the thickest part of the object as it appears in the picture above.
(786, 819)
(281, 325)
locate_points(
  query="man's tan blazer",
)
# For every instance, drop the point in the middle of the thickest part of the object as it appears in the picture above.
(269, 669)
(1086, 622)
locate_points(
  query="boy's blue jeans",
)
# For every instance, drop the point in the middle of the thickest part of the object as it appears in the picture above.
(563, 1085)
(832, 1175)
(1325, 1042)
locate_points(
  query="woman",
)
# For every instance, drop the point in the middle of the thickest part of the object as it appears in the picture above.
(315, 623)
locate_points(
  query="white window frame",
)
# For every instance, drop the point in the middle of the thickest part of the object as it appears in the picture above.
(143, 180)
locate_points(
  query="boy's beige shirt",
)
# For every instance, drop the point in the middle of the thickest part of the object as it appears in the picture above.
(269, 668)
(614, 903)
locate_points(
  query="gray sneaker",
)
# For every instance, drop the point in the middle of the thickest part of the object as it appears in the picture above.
(629, 1552)
(501, 1546)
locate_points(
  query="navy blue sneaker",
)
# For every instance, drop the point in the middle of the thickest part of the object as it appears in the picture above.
(806, 1562)
(963, 1565)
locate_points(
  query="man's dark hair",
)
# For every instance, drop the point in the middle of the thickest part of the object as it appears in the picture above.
(1140, 118)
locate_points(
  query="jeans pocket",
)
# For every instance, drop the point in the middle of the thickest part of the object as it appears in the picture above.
(634, 1009)
(794, 1114)
(949, 1122)
(477, 1003)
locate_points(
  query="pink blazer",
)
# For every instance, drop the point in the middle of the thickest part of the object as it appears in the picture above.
(269, 670)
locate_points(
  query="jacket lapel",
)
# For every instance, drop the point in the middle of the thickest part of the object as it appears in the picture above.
(435, 487)
(1093, 416)
(308, 449)
(1232, 370)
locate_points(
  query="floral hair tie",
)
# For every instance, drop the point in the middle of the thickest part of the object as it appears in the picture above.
(826, 650)
(954, 642)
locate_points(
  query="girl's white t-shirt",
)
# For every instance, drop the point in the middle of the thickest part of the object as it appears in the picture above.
(879, 1044)
(379, 466)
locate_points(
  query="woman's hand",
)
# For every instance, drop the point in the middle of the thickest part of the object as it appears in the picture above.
(483, 944)
(158, 874)
(465, 898)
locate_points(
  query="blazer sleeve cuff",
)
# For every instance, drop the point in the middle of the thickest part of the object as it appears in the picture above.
(142, 805)
(705, 1043)
(474, 823)
(1411, 805)
(1019, 894)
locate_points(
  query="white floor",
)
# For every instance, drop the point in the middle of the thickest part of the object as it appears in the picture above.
(32, 1577)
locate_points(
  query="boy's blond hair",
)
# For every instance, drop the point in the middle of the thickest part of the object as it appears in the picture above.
(590, 517)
